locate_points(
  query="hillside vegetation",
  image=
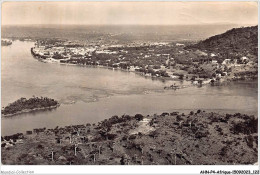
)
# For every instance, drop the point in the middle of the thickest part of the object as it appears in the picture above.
(197, 138)
(237, 41)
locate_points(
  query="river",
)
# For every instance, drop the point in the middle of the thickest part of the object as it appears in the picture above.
(89, 95)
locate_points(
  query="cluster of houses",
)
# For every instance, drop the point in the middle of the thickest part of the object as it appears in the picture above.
(56, 53)
(234, 62)
(62, 52)
(6, 42)
(234, 65)
(115, 56)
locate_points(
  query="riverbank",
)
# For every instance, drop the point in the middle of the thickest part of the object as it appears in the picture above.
(107, 67)
(195, 138)
(160, 78)
(193, 81)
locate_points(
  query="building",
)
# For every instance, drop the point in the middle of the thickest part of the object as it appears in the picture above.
(212, 55)
(226, 61)
(214, 62)
(179, 44)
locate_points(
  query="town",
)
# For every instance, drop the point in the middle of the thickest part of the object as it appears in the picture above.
(162, 60)
(6, 42)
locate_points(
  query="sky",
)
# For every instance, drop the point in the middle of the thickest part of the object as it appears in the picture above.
(136, 13)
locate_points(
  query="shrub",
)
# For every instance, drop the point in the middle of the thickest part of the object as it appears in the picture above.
(181, 76)
(153, 134)
(40, 146)
(201, 134)
(247, 127)
(165, 114)
(249, 141)
(223, 151)
(139, 117)
(132, 137)
(111, 136)
(124, 138)
(179, 118)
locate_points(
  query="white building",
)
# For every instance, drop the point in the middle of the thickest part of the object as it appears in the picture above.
(214, 62)
(226, 61)
(179, 44)
(212, 55)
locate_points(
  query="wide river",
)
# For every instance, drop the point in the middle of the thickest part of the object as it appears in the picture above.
(89, 95)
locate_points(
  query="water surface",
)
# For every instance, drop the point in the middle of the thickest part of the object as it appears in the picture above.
(90, 95)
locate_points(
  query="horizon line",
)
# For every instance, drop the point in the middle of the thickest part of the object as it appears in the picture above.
(220, 23)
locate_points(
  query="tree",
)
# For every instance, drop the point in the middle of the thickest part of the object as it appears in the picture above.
(181, 76)
(139, 117)
(200, 82)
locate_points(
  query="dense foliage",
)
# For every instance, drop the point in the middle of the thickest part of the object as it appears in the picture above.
(238, 40)
(30, 104)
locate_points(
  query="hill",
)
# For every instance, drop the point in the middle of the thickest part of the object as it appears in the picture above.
(197, 138)
(237, 41)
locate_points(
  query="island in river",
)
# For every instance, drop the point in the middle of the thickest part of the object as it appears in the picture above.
(24, 105)
(195, 138)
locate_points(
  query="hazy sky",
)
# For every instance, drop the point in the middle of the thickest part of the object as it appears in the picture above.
(165, 13)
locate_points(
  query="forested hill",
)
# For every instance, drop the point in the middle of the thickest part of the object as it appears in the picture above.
(239, 41)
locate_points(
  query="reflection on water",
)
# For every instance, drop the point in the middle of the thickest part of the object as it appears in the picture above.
(91, 94)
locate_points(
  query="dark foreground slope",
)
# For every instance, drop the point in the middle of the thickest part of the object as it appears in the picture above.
(239, 41)
(196, 138)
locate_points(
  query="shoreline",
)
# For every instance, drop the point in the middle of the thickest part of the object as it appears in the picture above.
(185, 111)
(140, 140)
(220, 83)
(110, 68)
(161, 78)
